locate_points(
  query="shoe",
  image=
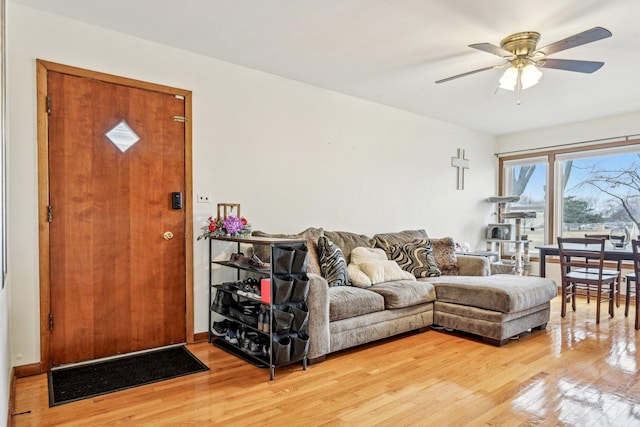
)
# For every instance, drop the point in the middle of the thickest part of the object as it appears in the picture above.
(256, 262)
(220, 300)
(247, 339)
(261, 320)
(239, 260)
(266, 326)
(231, 337)
(254, 293)
(244, 344)
(244, 289)
(227, 300)
(220, 328)
(255, 346)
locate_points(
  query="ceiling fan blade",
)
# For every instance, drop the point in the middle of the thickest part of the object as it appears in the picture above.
(588, 36)
(492, 49)
(571, 65)
(468, 73)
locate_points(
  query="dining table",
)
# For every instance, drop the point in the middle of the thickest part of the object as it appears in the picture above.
(611, 253)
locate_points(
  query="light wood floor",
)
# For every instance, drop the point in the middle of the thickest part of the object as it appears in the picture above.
(572, 373)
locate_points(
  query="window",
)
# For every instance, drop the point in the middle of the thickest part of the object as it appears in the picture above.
(599, 192)
(574, 192)
(527, 178)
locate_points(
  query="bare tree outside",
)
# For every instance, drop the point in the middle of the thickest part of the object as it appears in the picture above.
(622, 185)
(520, 182)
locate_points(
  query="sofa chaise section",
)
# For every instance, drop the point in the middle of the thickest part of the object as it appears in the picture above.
(495, 307)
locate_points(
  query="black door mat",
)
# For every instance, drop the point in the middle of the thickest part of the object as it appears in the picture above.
(85, 381)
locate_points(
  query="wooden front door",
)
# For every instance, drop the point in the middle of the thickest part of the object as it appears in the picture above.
(116, 242)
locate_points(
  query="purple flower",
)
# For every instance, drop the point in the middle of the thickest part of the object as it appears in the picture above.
(232, 224)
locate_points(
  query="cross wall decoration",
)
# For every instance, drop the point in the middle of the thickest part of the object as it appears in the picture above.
(461, 163)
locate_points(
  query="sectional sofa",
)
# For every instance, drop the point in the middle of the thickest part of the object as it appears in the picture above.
(465, 297)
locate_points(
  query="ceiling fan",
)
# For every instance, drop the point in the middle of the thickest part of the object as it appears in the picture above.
(524, 59)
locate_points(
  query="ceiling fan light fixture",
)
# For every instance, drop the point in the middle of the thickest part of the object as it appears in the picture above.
(529, 75)
(509, 79)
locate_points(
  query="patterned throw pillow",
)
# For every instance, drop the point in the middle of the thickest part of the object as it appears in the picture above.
(333, 265)
(444, 251)
(415, 257)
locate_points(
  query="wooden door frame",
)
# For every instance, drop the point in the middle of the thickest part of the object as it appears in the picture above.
(42, 68)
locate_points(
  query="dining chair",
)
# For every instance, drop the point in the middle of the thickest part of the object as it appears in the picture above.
(633, 278)
(609, 271)
(581, 266)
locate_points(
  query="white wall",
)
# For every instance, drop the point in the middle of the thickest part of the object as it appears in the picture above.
(293, 155)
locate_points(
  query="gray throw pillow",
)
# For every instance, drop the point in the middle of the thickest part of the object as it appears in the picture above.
(333, 264)
(415, 257)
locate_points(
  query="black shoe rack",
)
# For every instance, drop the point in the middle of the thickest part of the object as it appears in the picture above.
(266, 327)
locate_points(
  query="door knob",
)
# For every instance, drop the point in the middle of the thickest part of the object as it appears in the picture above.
(167, 235)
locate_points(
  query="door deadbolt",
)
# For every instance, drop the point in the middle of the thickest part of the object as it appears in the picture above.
(167, 235)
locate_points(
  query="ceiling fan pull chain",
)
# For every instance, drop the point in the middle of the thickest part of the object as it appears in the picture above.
(519, 85)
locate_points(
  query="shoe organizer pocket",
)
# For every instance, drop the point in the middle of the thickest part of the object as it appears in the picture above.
(282, 321)
(282, 259)
(300, 318)
(299, 264)
(281, 350)
(300, 290)
(282, 290)
(299, 347)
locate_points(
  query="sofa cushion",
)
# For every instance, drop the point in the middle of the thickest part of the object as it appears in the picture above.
(502, 292)
(384, 271)
(347, 241)
(415, 257)
(362, 254)
(444, 252)
(310, 234)
(383, 240)
(405, 293)
(357, 277)
(370, 265)
(332, 263)
(469, 265)
(348, 301)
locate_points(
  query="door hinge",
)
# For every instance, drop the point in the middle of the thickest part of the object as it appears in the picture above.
(51, 321)
(48, 105)
(49, 213)
(179, 118)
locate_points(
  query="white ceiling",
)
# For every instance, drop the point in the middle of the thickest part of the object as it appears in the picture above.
(391, 52)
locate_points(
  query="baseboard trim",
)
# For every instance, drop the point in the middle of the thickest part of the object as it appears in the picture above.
(200, 337)
(27, 370)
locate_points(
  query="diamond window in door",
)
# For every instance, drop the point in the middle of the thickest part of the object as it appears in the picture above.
(122, 136)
